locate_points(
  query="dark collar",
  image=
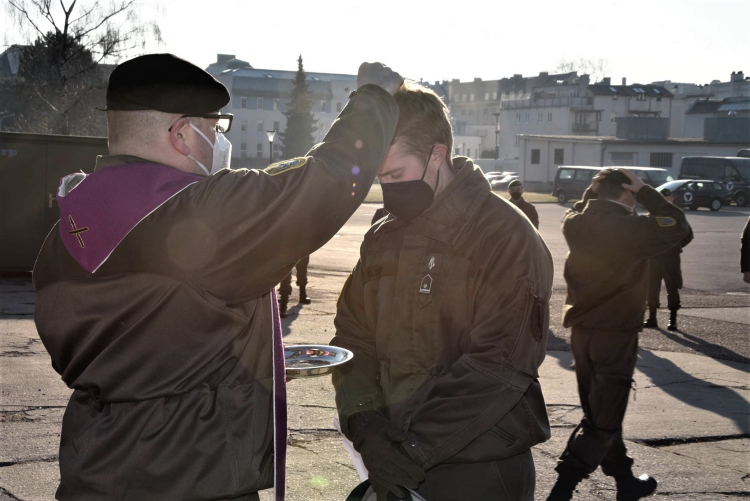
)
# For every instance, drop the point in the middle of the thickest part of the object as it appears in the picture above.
(454, 207)
(103, 161)
(602, 206)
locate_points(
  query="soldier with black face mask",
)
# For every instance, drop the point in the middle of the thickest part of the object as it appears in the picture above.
(515, 188)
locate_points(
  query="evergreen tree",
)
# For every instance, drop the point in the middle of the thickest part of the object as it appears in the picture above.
(299, 135)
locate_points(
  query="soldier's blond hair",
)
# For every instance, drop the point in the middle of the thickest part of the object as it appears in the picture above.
(423, 120)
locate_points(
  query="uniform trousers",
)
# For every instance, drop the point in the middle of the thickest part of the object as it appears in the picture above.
(605, 362)
(285, 288)
(512, 479)
(665, 267)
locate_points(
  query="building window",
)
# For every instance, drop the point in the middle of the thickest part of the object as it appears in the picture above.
(471, 97)
(518, 118)
(458, 152)
(463, 97)
(486, 112)
(260, 127)
(622, 158)
(338, 107)
(535, 157)
(260, 103)
(323, 128)
(518, 140)
(243, 150)
(463, 113)
(243, 103)
(540, 117)
(527, 117)
(346, 89)
(276, 126)
(259, 151)
(471, 113)
(599, 117)
(559, 156)
(661, 160)
(614, 98)
(658, 99)
(613, 117)
(486, 96)
(275, 105)
(549, 117)
(243, 126)
(641, 97)
(494, 96)
(324, 107)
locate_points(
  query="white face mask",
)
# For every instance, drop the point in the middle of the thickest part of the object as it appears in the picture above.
(222, 153)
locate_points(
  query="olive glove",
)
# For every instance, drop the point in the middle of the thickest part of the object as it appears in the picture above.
(388, 465)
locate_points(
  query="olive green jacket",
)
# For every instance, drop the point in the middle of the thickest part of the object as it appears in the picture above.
(448, 318)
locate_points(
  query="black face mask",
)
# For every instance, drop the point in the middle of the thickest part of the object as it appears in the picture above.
(515, 195)
(408, 199)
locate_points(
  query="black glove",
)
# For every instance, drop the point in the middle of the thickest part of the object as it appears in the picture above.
(388, 465)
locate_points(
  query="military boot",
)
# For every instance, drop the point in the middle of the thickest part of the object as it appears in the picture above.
(651, 321)
(630, 488)
(564, 487)
(672, 320)
(283, 303)
(303, 296)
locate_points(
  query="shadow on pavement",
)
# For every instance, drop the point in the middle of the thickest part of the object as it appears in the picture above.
(715, 351)
(723, 401)
(557, 344)
(721, 213)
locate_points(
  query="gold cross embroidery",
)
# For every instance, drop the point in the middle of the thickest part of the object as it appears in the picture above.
(77, 231)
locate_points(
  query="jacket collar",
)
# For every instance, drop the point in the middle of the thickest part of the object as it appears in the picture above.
(607, 206)
(454, 207)
(103, 161)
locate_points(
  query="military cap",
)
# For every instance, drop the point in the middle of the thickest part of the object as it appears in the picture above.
(515, 183)
(166, 83)
(666, 192)
(616, 177)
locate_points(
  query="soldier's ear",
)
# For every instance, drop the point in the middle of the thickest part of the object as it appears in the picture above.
(439, 154)
(177, 136)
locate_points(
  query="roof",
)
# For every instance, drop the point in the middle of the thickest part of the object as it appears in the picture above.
(10, 60)
(287, 75)
(613, 139)
(710, 106)
(629, 90)
(280, 82)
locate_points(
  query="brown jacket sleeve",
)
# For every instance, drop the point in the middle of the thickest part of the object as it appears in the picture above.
(745, 249)
(356, 383)
(257, 224)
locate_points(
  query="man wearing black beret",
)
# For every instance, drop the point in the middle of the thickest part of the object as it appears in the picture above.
(515, 189)
(154, 290)
(606, 272)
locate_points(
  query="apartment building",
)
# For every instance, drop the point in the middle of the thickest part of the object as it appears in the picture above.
(259, 98)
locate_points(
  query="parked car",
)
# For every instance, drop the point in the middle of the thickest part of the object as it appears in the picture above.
(692, 194)
(732, 172)
(572, 180)
(501, 183)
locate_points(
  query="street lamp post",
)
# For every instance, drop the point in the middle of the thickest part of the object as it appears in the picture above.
(3, 118)
(497, 135)
(271, 135)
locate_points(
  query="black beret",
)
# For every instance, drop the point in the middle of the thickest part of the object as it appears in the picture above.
(666, 192)
(515, 183)
(166, 83)
(616, 177)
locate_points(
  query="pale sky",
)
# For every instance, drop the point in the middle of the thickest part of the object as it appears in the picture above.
(680, 40)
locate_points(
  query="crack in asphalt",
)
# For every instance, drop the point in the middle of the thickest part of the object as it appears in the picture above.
(666, 442)
(43, 459)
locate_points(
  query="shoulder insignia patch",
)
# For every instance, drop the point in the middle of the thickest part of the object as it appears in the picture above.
(665, 221)
(285, 165)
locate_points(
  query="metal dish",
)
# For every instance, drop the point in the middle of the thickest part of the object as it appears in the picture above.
(313, 360)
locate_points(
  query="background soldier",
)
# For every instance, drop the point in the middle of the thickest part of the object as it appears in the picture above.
(515, 188)
(606, 273)
(285, 288)
(666, 267)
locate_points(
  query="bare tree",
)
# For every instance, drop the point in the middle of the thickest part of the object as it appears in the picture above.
(596, 68)
(73, 41)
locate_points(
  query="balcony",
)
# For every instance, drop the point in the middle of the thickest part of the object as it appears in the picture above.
(584, 127)
(580, 103)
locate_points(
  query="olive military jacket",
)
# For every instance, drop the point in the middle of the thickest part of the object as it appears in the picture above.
(607, 266)
(448, 318)
(528, 209)
(167, 343)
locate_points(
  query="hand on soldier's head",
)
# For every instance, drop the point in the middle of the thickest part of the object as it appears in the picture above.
(635, 182)
(598, 179)
(380, 75)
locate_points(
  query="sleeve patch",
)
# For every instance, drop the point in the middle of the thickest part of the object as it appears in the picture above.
(666, 221)
(285, 165)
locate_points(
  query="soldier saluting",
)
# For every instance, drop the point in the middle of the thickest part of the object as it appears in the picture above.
(607, 272)
(159, 314)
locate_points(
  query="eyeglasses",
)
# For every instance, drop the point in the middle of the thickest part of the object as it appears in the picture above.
(224, 121)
